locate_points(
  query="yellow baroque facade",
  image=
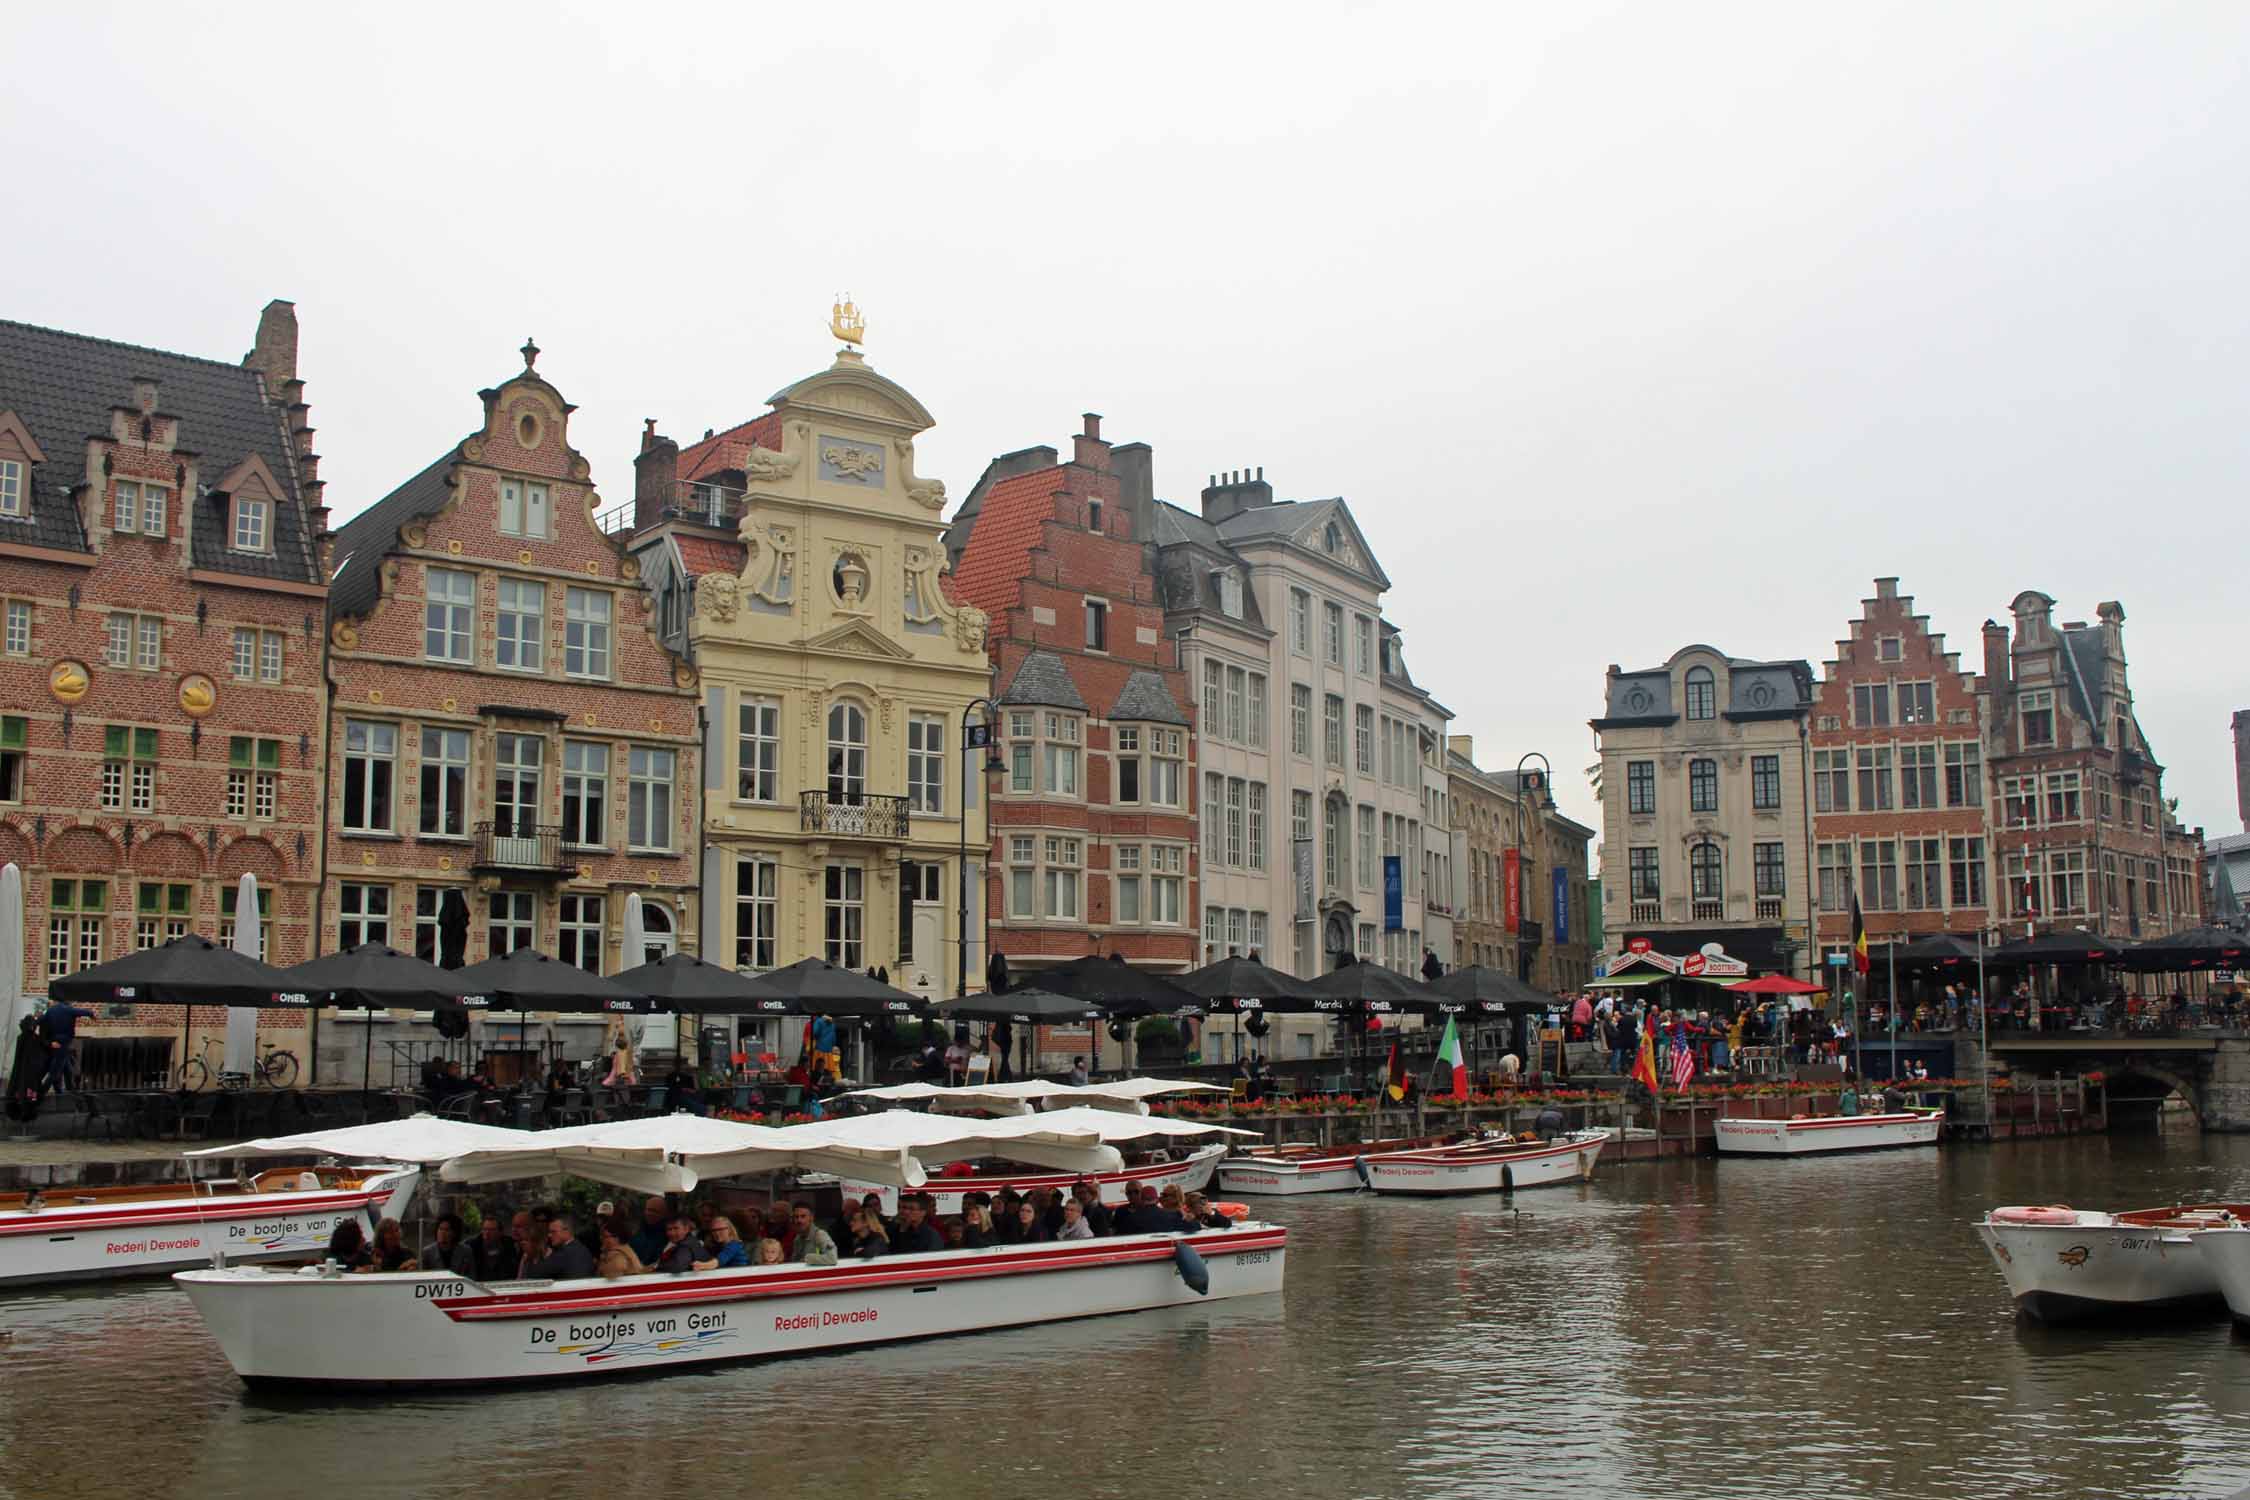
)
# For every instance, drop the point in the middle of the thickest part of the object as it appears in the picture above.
(836, 674)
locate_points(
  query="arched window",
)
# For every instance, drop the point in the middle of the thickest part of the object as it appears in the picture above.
(1703, 872)
(1702, 694)
(1703, 786)
(847, 754)
(658, 940)
(1332, 537)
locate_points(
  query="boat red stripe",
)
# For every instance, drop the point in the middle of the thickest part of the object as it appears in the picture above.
(856, 1275)
(1020, 1181)
(186, 1211)
(1838, 1123)
(1454, 1157)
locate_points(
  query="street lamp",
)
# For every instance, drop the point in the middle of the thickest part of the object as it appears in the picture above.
(980, 736)
(1546, 805)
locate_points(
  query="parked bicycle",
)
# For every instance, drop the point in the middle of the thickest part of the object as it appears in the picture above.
(275, 1067)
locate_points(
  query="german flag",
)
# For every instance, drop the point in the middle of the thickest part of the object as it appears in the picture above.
(1859, 938)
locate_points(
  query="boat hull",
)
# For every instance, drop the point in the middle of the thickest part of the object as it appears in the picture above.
(1821, 1136)
(1282, 1179)
(2097, 1267)
(1485, 1169)
(1190, 1174)
(66, 1242)
(2226, 1253)
(423, 1330)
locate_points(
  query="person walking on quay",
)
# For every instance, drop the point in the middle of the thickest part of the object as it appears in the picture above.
(1613, 1042)
(60, 1022)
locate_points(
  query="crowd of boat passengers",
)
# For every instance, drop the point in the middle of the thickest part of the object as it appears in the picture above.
(552, 1244)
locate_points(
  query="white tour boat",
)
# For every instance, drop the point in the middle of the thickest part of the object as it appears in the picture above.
(1022, 1095)
(2064, 1264)
(1190, 1169)
(1809, 1135)
(1286, 1171)
(1496, 1164)
(319, 1328)
(2225, 1249)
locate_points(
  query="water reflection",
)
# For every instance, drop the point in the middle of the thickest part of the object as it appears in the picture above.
(1738, 1328)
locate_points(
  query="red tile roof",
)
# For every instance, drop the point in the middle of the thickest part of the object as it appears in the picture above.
(992, 566)
(730, 449)
(708, 554)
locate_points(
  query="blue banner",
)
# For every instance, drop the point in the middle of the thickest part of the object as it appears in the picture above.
(1394, 895)
(1562, 906)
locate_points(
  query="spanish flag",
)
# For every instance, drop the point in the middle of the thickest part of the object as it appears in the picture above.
(1859, 938)
(1644, 1066)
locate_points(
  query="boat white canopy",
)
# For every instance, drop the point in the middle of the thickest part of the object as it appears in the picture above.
(1119, 1129)
(672, 1153)
(1019, 1096)
(420, 1139)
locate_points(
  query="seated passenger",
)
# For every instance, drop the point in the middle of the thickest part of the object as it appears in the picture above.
(950, 1228)
(868, 1239)
(810, 1244)
(1007, 1223)
(1029, 1230)
(1138, 1214)
(976, 1224)
(769, 1252)
(566, 1259)
(725, 1248)
(617, 1257)
(390, 1252)
(1089, 1201)
(915, 1235)
(1199, 1211)
(449, 1251)
(1074, 1225)
(681, 1247)
(1166, 1217)
(496, 1257)
(648, 1240)
(347, 1246)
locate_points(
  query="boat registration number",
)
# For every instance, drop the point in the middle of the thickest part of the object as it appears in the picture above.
(425, 1291)
(1253, 1257)
(2139, 1242)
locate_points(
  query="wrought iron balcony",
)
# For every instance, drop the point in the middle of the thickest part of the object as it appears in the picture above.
(521, 847)
(865, 816)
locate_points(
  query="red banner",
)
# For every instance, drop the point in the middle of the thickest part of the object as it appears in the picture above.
(1511, 901)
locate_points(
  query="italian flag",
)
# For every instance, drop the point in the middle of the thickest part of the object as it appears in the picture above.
(1449, 1057)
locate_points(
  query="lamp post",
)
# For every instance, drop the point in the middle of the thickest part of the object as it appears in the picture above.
(979, 736)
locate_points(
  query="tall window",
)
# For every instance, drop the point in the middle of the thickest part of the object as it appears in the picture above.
(925, 763)
(445, 783)
(1059, 878)
(1642, 873)
(585, 793)
(1300, 720)
(1332, 729)
(1964, 775)
(1703, 786)
(161, 911)
(136, 641)
(1125, 861)
(253, 524)
(139, 507)
(75, 913)
(523, 508)
(1363, 739)
(363, 914)
(2038, 710)
(1917, 776)
(578, 935)
(1214, 699)
(1023, 875)
(1097, 625)
(1871, 704)
(517, 761)
(1917, 703)
(511, 922)
(1925, 874)
(1236, 702)
(429, 922)
(449, 614)
(1704, 879)
(1233, 856)
(757, 911)
(253, 778)
(650, 776)
(129, 769)
(2066, 878)
(1300, 622)
(758, 751)
(1332, 633)
(1368, 879)
(1167, 884)
(1300, 816)
(1765, 782)
(1965, 857)
(1832, 780)
(1167, 765)
(15, 750)
(1769, 866)
(845, 915)
(1254, 711)
(257, 654)
(11, 487)
(519, 627)
(1640, 786)
(2063, 801)
(1363, 645)
(17, 641)
(847, 754)
(1335, 858)
(586, 617)
(1878, 874)
(1061, 746)
(1214, 821)
(1874, 780)
(1255, 841)
(1702, 694)
(1023, 754)
(1835, 862)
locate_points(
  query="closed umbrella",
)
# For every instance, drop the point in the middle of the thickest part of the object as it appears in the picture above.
(241, 1052)
(12, 1007)
(635, 944)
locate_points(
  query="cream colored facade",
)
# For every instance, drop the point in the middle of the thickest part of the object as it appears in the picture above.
(836, 675)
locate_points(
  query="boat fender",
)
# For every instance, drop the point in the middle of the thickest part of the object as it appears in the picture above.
(1507, 1178)
(1192, 1269)
(1359, 1167)
(1235, 1211)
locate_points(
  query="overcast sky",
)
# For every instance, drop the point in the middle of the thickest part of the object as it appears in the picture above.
(1619, 329)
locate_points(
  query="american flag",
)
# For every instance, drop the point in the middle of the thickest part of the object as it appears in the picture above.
(1683, 1065)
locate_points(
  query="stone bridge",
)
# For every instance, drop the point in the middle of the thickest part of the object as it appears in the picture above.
(2209, 1069)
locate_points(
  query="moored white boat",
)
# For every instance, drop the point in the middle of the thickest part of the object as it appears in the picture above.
(1814, 1134)
(2226, 1253)
(89, 1233)
(1287, 1171)
(1487, 1166)
(1190, 1173)
(2064, 1264)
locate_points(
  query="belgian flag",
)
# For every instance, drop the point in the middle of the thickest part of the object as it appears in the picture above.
(1859, 938)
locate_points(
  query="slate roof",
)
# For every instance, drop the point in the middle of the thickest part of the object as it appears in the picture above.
(63, 385)
(2084, 669)
(1144, 696)
(369, 536)
(1044, 680)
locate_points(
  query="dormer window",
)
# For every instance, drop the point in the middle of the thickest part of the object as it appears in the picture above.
(253, 524)
(1702, 694)
(11, 489)
(1228, 585)
(140, 507)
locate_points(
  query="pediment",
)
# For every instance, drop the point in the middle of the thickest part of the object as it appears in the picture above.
(848, 388)
(252, 471)
(858, 638)
(13, 429)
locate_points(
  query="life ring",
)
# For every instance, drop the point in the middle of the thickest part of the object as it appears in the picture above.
(1235, 1211)
(2052, 1213)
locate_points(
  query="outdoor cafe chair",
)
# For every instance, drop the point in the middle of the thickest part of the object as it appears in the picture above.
(653, 1104)
(201, 1108)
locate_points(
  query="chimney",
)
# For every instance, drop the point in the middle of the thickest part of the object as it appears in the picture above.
(1886, 588)
(144, 394)
(1135, 466)
(274, 352)
(655, 468)
(1234, 492)
(2242, 765)
(1087, 449)
(1463, 745)
(2112, 615)
(1996, 660)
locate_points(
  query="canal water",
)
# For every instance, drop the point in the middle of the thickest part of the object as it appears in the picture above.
(1686, 1329)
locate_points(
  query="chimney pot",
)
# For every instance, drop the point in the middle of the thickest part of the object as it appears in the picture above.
(1093, 424)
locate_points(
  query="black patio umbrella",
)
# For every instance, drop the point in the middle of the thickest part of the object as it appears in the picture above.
(1477, 991)
(1116, 988)
(681, 982)
(1939, 948)
(1360, 990)
(528, 980)
(2056, 948)
(187, 971)
(1030, 1006)
(1235, 978)
(2196, 948)
(815, 986)
(377, 976)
